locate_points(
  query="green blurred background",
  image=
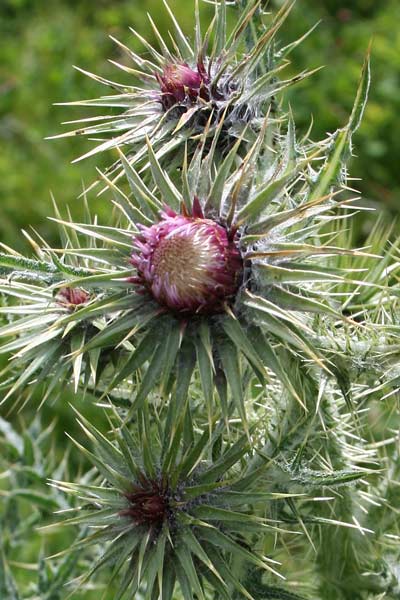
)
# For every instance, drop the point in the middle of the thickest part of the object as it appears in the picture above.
(42, 40)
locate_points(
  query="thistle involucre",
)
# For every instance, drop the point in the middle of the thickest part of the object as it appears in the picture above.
(166, 516)
(41, 338)
(188, 264)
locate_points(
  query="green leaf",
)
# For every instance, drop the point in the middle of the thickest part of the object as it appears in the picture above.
(312, 478)
(104, 233)
(185, 367)
(169, 193)
(77, 344)
(275, 593)
(115, 477)
(197, 549)
(170, 453)
(225, 571)
(102, 445)
(227, 460)
(184, 46)
(231, 366)
(301, 301)
(232, 498)
(185, 559)
(168, 581)
(13, 439)
(21, 263)
(270, 191)
(137, 358)
(8, 586)
(214, 513)
(151, 375)
(206, 366)
(38, 363)
(36, 498)
(293, 273)
(184, 582)
(174, 341)
(141, 193)
(235, 331)
(193, 456)
(193, 491)
(220, 540)
(217, 188)
(341, 145)
(118, 329)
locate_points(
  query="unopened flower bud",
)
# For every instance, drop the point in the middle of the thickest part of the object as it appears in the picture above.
(71, 298)
(179, 81)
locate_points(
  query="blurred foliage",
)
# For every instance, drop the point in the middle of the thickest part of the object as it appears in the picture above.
(28, 459)
(42, 40)
(340, 43)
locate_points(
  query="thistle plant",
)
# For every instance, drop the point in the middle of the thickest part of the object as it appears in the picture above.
(187, 89)
(234, 358)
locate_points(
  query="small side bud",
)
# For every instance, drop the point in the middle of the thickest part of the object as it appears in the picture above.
(71, 298)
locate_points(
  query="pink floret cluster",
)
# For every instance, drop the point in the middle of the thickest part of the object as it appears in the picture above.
(187, 263)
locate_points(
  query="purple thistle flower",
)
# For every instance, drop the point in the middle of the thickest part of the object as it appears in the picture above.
(188, 263)
(224, 85)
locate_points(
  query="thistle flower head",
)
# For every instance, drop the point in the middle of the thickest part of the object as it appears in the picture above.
(44, 344)
(224, 86)
(163, 506)
(188, 264)
(178, 82)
